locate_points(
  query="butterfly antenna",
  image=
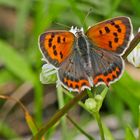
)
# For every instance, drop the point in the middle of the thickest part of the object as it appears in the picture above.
(61, 24)
(89, 11)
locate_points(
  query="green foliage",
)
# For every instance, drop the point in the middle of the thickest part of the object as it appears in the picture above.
(15, 62)
(128, 94)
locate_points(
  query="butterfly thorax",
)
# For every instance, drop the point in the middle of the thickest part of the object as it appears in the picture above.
(83, 48)
(82, 45)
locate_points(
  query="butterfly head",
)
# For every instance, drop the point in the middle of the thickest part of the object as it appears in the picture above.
(77, 31)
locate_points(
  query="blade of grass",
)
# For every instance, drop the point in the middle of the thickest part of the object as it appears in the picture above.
(23, 10)
(16, 63)
(129, 134)
(63, 119)
(139, 125)
(80, 129)
(38, 101)
(108, 134)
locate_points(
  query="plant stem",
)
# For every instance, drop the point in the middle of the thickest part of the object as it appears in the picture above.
(98, 119)
(132, 45)
(58, 115)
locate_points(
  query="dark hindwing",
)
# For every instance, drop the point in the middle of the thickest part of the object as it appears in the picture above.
(107, 66)
(72, 74)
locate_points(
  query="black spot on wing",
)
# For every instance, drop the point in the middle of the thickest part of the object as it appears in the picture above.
(83, 84)
(50, 44)
(64, 39)
(107, 29)
(61, 55)
(119, 30)
(100, 80)
(116, 39)
(71, 85)
(108, 79)
(112, 22)
(118, 27)
(54, 47)
(100, 31)
(113, 76)
(52, 35)
(115, 34)
(110, 44)
(50, 40)
(55, 52)
(58, 39)
(77, 86)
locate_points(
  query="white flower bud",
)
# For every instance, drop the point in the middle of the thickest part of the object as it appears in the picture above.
(48, 74)
(90, 103)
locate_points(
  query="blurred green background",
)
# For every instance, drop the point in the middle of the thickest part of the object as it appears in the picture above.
(21, 22)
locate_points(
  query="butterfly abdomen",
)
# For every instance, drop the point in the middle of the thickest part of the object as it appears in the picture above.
(83, 48)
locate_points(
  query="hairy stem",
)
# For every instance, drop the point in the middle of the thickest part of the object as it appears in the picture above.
(98, 119)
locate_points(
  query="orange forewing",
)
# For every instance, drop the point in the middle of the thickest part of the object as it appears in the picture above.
(56, 46)
(112, 35)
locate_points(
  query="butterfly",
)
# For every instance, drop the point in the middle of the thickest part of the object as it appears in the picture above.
(84, 60)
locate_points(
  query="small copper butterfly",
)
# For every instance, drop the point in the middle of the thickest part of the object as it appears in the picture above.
(88, 59)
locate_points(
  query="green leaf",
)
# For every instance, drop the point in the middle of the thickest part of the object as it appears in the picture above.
(15, 62)
(124, 89)
(115, 104)
(129, 134)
